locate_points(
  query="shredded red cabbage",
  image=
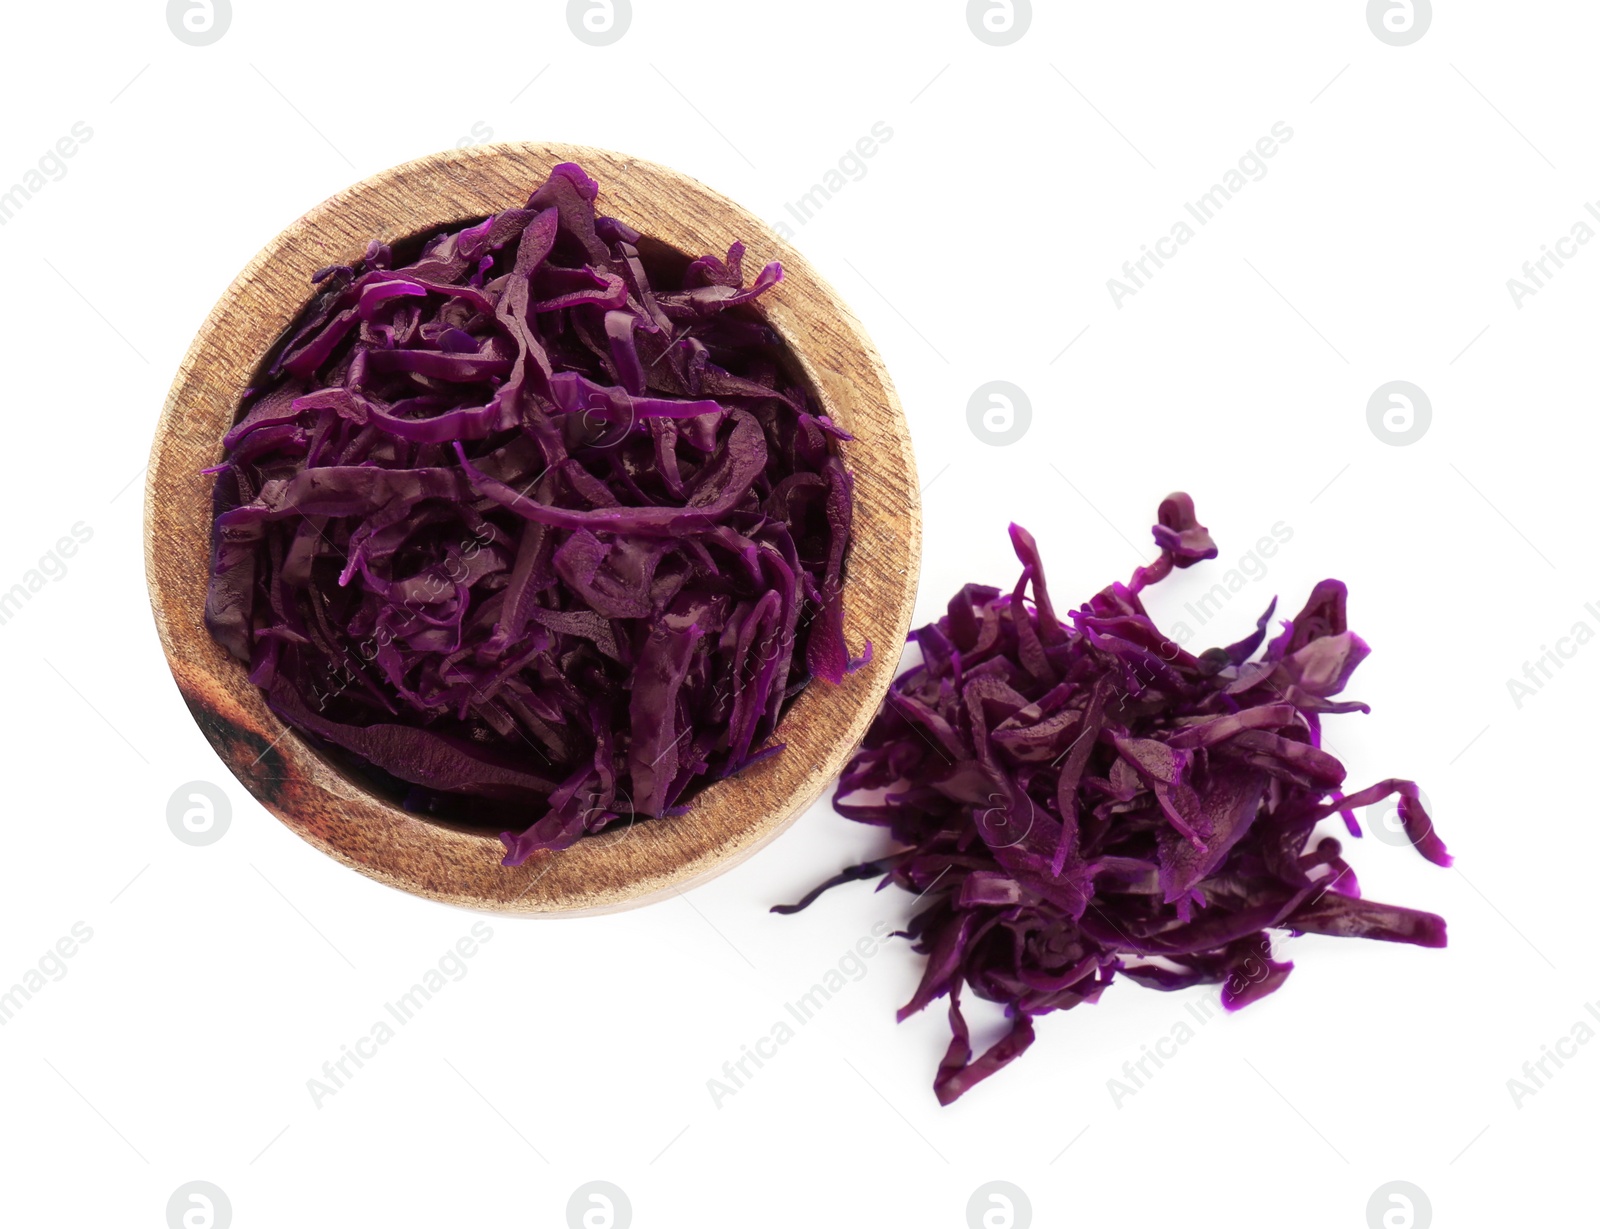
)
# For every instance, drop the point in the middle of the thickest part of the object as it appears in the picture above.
(524, 536)
(1082, 799)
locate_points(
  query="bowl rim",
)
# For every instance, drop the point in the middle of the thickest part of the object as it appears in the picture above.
(727, 821)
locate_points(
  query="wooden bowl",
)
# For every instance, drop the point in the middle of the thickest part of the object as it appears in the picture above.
(645, 861)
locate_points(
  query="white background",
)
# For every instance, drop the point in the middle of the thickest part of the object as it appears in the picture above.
(218, 980)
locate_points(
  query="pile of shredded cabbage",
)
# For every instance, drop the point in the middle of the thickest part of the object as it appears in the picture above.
(1076, 800)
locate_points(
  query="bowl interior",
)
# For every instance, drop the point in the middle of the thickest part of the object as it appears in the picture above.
(665, 265)
(345, 812)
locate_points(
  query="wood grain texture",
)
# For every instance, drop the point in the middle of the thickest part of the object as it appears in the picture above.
(650, 859)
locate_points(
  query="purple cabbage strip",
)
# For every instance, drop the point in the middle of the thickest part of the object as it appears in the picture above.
(527, 537)
(1074, 800)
